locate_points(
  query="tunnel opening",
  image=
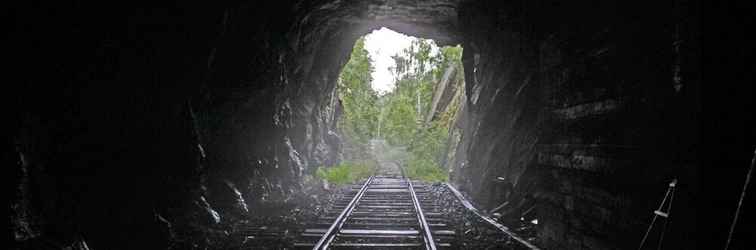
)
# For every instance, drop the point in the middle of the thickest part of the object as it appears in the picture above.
(400, 96)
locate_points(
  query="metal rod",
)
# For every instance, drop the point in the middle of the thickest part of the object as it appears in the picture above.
(430, 244)
(329, 235)
(740, 202)
(501, 227)
(645, 236)
(656, 215)
(667, 216)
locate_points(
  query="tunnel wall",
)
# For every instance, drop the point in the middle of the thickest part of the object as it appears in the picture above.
(106, 147)
(148, 125)
(583, 112)
(154, 126)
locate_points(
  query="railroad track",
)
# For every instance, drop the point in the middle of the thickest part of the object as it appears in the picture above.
(385, 212)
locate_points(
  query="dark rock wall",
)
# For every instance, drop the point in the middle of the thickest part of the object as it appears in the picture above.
(145, 125)
(583, 110)
(102, 121)
(729, 128)
(265, 109)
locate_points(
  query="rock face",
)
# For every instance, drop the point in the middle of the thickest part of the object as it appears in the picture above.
(577, 110)
(137, 123)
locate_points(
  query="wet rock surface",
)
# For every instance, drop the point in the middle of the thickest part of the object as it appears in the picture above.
(576, 120)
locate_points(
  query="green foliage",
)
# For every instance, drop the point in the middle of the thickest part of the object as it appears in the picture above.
(346, 172)
(398, 116)
(417, 73)
(357, 97)
(407, 105)
(426, 153)
(426, 170)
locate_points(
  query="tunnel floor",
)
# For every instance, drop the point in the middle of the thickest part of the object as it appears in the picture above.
(378, 213)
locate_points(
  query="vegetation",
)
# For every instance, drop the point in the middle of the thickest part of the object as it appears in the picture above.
(357, 97)
(359, 103)
(417, 73)
(346, 172)
(399, 116)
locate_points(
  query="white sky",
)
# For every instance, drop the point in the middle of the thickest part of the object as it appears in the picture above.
(381, 44)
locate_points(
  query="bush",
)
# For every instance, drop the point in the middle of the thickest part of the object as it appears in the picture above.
(426, 170)
(346, 172)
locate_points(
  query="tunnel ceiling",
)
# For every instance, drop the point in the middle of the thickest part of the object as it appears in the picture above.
(429, 19)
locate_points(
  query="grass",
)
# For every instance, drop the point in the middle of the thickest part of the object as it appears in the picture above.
(426, 170)
(346, 172)
(350, 172)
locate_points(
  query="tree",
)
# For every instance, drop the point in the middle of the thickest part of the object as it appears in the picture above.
(417, 71)
(398, 115)
(357, 97)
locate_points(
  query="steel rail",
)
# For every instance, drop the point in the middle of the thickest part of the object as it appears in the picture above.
(430, 244)
(329, 235)
(501, 227)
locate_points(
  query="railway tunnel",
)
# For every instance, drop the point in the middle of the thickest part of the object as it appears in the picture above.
(144, 126)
